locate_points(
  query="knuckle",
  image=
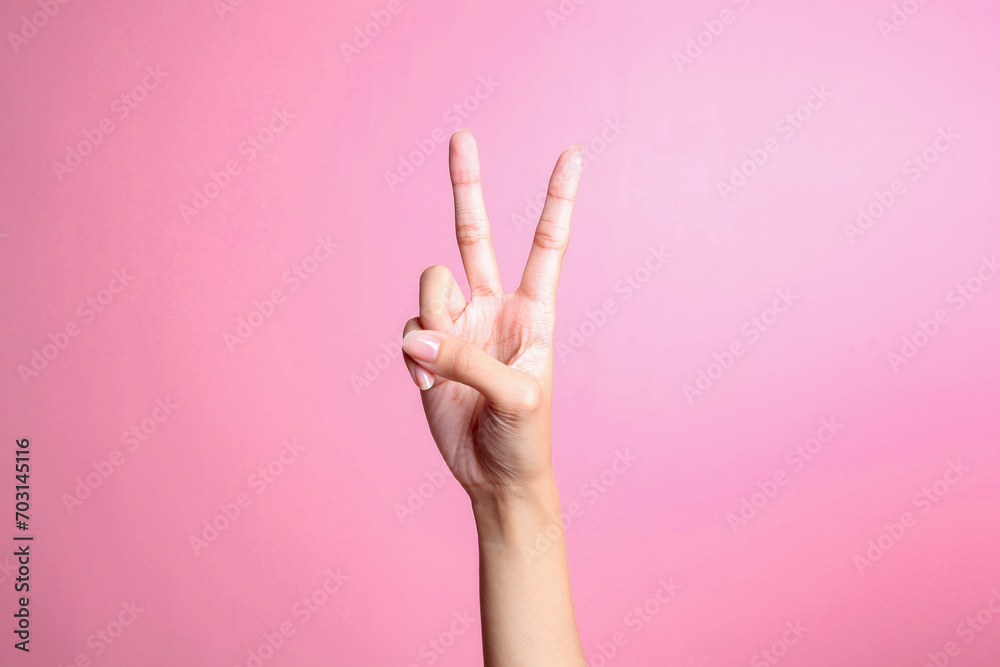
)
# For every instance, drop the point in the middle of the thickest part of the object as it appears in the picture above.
(433, 311)
(549, 237)
(472, 232)
(433, 306)
(563, 180)
(465, 177)
(530, 399)
(482, 291)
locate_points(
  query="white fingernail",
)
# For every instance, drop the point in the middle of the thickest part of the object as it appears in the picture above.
(424, 379)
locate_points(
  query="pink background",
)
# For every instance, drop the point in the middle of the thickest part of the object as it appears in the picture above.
(323, 369)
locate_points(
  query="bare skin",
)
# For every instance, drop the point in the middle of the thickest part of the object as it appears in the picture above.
(484, 368)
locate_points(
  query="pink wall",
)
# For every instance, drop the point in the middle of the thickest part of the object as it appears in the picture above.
(230, 167)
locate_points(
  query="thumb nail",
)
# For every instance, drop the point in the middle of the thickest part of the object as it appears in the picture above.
(422, 346)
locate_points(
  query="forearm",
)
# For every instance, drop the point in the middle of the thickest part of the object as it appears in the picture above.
(524, 588)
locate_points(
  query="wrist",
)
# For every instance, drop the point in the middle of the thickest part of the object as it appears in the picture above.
(517, 515)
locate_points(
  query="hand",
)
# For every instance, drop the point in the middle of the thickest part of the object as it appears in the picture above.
(485, 367)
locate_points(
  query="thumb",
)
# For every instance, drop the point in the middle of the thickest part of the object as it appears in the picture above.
(455, 358)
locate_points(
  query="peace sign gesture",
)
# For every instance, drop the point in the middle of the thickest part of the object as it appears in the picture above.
(485, 366)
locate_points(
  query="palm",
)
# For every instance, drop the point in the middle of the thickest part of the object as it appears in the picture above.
(484, 443)
(473, 437)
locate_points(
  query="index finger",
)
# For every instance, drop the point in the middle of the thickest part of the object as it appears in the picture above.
(541, 273)
(471, 226)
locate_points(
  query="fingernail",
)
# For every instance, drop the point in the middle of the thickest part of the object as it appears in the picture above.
(421, 346)
(423, 379)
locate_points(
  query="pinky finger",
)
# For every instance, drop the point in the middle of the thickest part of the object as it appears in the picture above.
(422, 377)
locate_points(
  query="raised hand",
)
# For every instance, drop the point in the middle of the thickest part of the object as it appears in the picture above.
(485, 366)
